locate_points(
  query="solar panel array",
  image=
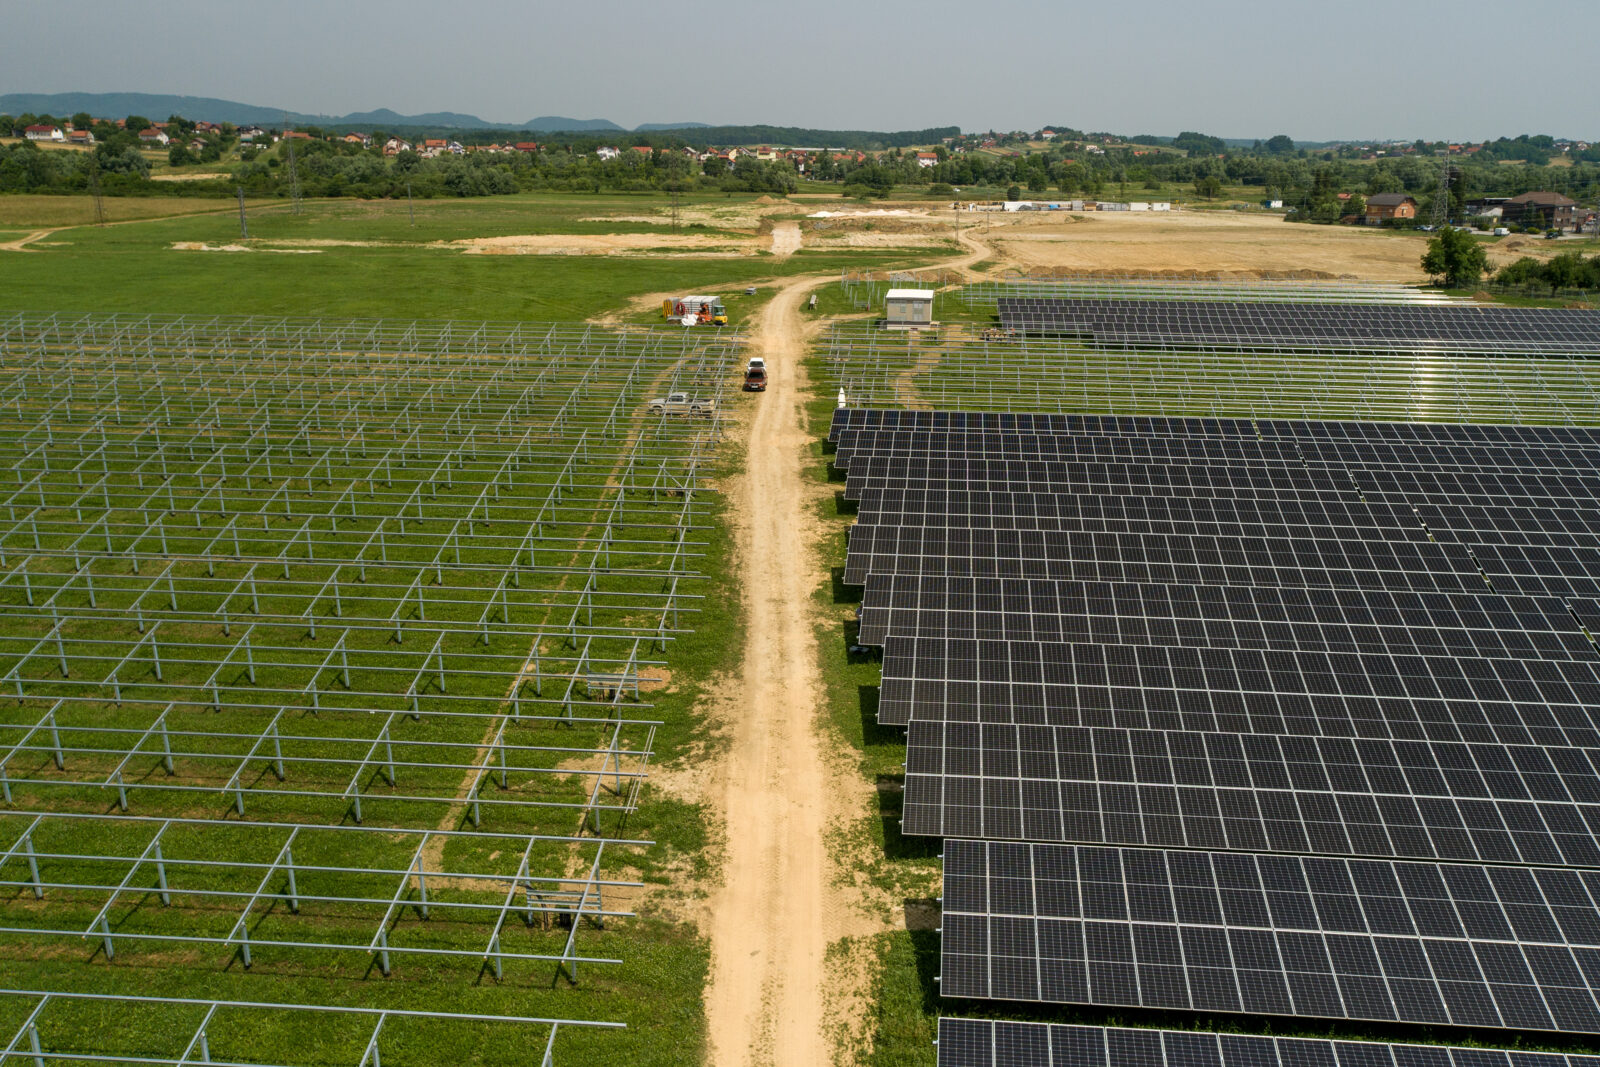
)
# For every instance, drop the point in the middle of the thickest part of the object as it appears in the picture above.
(996, 1043)
(1296, 718)
(1212, 322)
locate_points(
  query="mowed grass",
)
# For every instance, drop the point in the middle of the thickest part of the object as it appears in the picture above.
(27, 211)
(388, 270)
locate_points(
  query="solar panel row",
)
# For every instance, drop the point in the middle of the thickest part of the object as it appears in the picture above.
(911, 421)
(1330, 325)
(1204, 616)
(997, 1043)
(1548, 703)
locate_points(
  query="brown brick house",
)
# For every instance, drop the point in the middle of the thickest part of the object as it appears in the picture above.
(1549, 210)
(1381, 207)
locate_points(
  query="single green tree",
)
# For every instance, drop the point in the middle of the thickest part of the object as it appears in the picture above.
(1454, 256)
(1014, 193)
(1566, 271)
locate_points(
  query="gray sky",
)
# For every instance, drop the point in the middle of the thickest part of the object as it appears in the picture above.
(1232, 68)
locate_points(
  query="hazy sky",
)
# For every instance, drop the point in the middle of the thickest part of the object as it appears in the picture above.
(1463, 69)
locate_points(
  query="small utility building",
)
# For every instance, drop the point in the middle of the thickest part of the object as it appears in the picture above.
(909, 307)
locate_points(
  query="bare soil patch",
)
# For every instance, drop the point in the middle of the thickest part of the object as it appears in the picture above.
(785, 239)
(1194, 241)
(201, 246)
(605, 244)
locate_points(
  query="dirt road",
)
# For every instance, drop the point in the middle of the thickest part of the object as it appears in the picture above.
(783, 780)
(21, 244)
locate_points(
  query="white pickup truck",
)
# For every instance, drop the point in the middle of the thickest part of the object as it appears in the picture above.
(681, 404)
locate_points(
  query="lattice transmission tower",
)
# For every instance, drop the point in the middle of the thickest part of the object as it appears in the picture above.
(1441, 200)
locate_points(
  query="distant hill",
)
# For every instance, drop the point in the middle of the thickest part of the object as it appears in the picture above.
(384, 117)
(150, 105)
(557, 124)
(209, 109)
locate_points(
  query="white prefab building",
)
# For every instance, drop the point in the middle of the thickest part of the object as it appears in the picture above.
(909, 307)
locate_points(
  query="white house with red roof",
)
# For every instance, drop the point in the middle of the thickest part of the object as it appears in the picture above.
(44, 133)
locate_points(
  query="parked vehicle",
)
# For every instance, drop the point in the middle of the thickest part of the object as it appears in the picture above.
(755, 375)
(681, 404)
(1501, 231)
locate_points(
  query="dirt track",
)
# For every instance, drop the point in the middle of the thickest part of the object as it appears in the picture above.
(21, 244)
(783, 782)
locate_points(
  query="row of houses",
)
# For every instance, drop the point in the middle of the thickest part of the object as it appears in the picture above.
(800, 157)
(1545, 209)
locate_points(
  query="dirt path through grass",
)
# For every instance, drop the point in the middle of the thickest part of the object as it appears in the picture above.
(784, 780)
(21, 243)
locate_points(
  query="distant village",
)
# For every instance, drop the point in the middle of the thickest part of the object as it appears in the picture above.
(1034, 160)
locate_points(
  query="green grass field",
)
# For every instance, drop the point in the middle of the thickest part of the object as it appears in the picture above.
(386, 268)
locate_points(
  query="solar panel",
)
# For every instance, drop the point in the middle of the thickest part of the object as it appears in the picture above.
(1313, 936)
(846, 418)
(1042, 477)
(1420, 565)
(856, 444)
(1199, 616)
(1171, 322)
(1023, 422)
(1006, 1043)
(1251, 691)
(1338, 514)
(1253, 792)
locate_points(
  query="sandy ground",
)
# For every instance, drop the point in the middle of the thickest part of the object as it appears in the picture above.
(622, 244)
(1207, 241)
(201, 246)
(186, 177)
(773, 1000)
(785, 239)
(763, 1002)
(1239, 242)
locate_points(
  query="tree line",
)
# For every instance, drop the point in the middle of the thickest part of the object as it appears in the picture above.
(1460, 261)
(1308, 182)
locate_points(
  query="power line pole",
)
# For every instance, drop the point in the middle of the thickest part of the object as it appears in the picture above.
(294, 173)
(411, 206)
(294, 182)
(244, 228)
(1441, 199)
(94, 189)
